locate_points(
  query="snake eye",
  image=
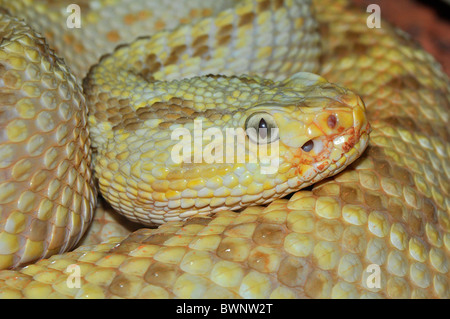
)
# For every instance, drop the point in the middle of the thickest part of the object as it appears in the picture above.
(261, 128)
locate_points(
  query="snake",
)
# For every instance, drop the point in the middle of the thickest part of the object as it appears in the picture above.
(335, 214)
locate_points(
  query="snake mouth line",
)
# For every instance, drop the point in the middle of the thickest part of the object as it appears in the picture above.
(334, 154)
(349, 152)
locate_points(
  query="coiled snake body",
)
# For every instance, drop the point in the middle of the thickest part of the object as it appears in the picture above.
(229, 65)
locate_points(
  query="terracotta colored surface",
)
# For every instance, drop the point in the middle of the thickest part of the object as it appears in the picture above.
(426, 21)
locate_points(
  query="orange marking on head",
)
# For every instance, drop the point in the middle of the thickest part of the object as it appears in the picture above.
(350, 143)
(319, 128)
(352, 139)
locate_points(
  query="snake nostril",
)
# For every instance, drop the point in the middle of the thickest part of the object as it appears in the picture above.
(308, 146)
(331, 121)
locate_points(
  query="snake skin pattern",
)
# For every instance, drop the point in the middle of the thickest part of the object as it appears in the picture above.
(389, 209)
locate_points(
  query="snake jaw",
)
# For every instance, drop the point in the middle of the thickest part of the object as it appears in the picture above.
(335, 138)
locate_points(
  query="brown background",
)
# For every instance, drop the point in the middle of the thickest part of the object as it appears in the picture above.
(428, 22)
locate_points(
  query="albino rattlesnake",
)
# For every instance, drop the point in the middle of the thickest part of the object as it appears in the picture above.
(390, 208)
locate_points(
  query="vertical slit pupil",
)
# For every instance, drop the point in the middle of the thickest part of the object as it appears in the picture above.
(262, 124)
(262, 128)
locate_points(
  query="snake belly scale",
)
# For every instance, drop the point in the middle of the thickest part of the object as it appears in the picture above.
(229, 64)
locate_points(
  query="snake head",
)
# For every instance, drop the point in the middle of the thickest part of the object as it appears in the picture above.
(320, 128)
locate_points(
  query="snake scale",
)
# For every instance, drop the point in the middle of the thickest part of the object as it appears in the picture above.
(230, 64)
